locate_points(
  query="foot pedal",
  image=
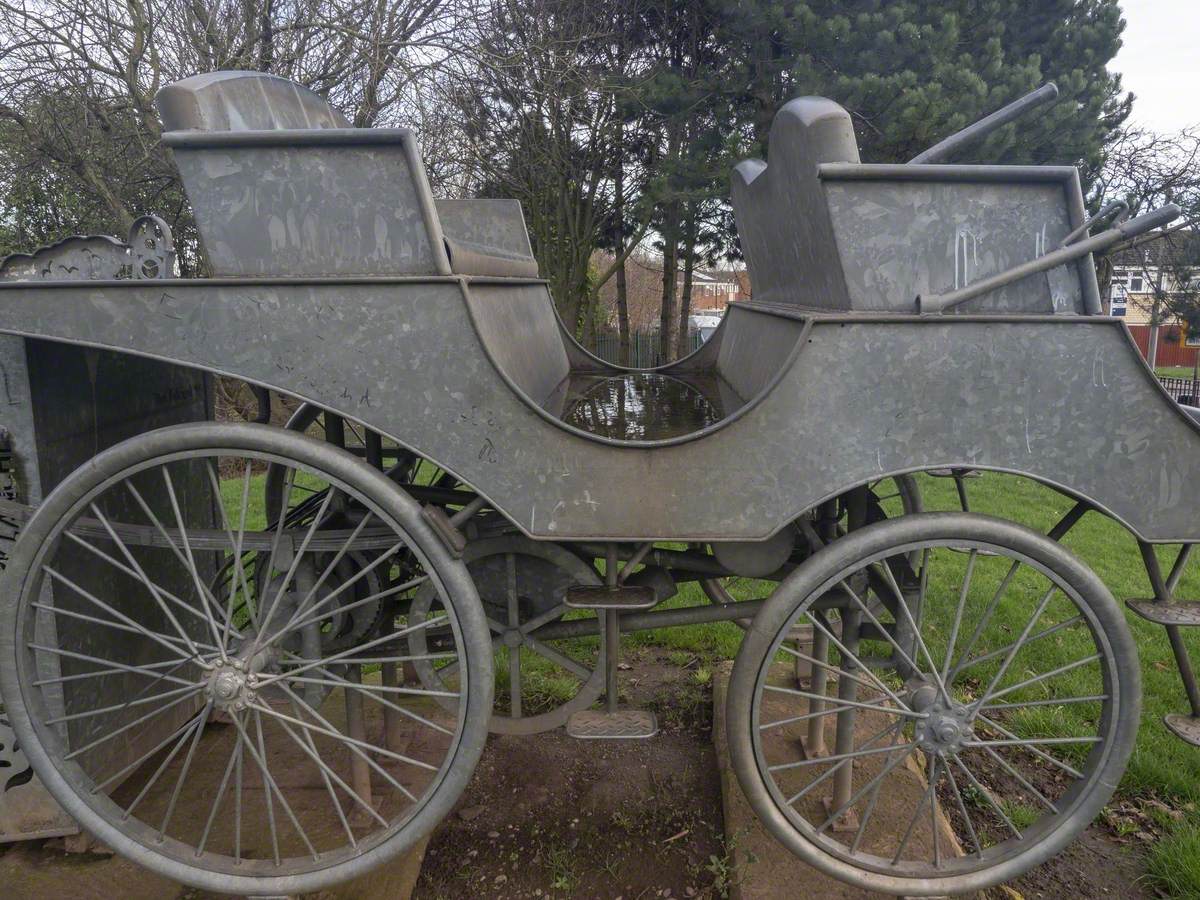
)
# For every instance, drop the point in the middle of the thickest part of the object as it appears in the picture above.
(1176, 613)
(624, 724)
(1186, 728)
(623, 598)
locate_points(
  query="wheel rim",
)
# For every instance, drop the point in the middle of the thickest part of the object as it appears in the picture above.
(976, 713)
(301, 779)
(566, 678)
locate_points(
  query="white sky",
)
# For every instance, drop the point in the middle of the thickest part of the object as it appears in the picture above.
(1160, 62)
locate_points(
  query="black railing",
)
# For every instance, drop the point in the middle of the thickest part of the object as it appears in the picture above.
(643, 348)
(1184, 390)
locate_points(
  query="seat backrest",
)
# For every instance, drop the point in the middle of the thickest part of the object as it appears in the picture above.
(781, 214)
(281, 185)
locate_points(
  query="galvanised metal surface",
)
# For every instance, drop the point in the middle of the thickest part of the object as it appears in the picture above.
(821, 231)
(1063, 399)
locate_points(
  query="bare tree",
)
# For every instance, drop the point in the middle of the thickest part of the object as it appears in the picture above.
(1145, 170)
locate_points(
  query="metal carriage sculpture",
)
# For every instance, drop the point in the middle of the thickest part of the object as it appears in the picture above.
(311, 638)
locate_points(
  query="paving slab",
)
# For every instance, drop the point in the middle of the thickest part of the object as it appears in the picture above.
(765, 869)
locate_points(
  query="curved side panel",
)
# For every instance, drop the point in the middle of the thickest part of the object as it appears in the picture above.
(1063, 400)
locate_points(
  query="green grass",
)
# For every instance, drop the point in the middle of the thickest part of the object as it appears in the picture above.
(1174, 371)
(1161, 766)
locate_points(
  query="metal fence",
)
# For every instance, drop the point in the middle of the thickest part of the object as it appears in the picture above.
(1184, 390)
(643, 348)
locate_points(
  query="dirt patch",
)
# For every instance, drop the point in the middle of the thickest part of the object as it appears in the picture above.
(550, 816)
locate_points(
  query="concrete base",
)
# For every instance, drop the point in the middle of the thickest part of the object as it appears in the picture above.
(764, 868)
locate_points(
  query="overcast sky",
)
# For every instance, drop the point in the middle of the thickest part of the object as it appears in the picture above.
(1160, 62)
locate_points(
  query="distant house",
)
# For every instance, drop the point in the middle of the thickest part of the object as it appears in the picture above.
(1144, 278)
(712, 290)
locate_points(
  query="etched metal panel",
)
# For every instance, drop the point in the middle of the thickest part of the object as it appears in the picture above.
(1065, 399)
(898, 240)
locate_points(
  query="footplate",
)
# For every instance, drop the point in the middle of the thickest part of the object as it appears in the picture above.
(1183, 612)
(624, 724)
(1186, 728)
(625, 597)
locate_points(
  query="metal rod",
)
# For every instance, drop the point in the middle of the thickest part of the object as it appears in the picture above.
(818, 684)
(987, 125)
(360, 775)
(936, 303)
(465, 514)
(843, 742)
(1162, 594)
(658, 618)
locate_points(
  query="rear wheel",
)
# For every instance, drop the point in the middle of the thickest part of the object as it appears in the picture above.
(189, 681)
(967, 751)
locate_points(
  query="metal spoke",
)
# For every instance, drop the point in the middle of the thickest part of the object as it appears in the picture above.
(121, 617)
(854, 754)
(962, 808)
(379, 687)
(990, 750)
(205, 595)
(1053, 701)
(118, 706)
(133, 724)
(912, 824)
(139, 573)
(900, 651)
(345, 738)
(1036, 751)
(883, 773)
(187, 732)
(121, 567)
(1053, 629)
(174, 664)
(841, 673)
(130, 767)
(185, 768)
(903, 607)
(201, 590)
(866, 817)
(297, 555)
(1017, 645)
(120, 667)
(1030, 742)
(235, 560)
(1038, 678)
(892, 729)
(987, 795)
(985, 618)
(261, 760)
(218, 797)
(350, 685)
(556, 656)
(108, 623)
(958, 614)
(346, 607)
(263, 682)
(796, 692)
(876, 683)
(326, 774)
(333, 732)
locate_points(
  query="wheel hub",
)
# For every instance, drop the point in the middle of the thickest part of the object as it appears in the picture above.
(946, 729)
(231, 687)
(513, 638)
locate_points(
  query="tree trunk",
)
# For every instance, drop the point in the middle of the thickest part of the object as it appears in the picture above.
(683, 345)
(667, 320)
(622, 284)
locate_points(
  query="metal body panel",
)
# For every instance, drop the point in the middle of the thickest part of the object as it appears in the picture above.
(960, 232)
(1065, 400)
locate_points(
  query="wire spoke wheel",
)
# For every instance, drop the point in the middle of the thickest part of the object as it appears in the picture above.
(994, 734)
(522, 585)
(185, 673)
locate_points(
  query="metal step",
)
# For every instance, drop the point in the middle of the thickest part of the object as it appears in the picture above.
(1186, 728)
(1181, 612)
(624, 724)
(619, 597)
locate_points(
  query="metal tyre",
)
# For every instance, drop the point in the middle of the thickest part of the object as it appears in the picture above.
(295, 769)
(999, 743)
(522, 584)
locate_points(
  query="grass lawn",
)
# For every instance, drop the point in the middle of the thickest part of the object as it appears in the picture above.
(1174, 371)
(1163, 777)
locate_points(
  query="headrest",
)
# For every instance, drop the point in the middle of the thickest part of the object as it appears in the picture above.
(243, 101)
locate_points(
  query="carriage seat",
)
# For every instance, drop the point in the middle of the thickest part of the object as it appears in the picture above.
(282, 186)
(782, 217)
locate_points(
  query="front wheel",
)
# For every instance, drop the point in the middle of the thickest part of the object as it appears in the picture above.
(996, 732)
(173, 666)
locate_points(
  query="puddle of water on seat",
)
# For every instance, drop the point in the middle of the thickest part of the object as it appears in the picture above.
(645, 406)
